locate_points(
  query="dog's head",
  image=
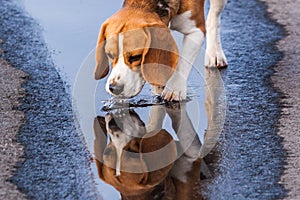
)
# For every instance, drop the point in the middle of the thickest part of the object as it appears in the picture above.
(128, 160)
(139, 47)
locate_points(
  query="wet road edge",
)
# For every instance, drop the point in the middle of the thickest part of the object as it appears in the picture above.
(249, 159)
(287, 80)
(56, 163)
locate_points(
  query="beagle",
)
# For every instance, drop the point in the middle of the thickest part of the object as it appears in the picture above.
(128, 138)
(143, 165)
(138, 44)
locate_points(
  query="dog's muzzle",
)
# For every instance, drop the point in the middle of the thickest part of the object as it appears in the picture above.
(116, 89)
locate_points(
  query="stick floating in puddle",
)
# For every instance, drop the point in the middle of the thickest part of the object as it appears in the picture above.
(117, 103)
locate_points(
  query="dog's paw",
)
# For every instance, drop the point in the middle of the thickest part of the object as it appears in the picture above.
(215, 58)
(176, 88)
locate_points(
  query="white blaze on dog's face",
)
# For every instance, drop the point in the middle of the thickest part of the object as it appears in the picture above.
(140, 49)
(124, 129)
(125, 52)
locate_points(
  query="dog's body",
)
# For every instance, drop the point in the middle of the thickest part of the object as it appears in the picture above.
(139, 45)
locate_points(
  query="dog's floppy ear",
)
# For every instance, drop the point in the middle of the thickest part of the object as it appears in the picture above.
(160, 57)
(100, 142)
(155, 146)
(102, 64)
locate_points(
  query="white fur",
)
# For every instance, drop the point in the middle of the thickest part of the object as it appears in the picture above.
(121, 74)
(176, 87)
(214, 52)
(186, 134)
(120, 139)
(156, 118)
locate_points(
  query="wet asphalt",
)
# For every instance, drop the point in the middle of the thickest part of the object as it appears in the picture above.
(56, 165)
(247, 162)
(250, 154)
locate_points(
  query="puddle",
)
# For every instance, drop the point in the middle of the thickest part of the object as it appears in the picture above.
(70, 29)
(119, 133)
(190, 129)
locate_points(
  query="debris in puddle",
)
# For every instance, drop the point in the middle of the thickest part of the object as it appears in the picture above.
(120, 103)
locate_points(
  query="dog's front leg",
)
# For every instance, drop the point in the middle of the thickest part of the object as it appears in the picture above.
(176, 87)
(185, 131)
(214, 52)
(156, 118)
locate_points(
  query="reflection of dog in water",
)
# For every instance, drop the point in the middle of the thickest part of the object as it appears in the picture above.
(145, 162)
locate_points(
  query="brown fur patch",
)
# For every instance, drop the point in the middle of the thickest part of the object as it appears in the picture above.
(161, 59)
(197, 9)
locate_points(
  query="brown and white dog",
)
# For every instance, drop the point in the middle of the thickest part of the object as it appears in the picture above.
(137, 42)
(146, 165)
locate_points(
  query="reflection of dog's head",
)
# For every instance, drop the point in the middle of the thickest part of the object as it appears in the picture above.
(124, 162)
(140, 48)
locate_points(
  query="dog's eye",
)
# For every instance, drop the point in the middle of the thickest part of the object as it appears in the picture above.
(135, 58)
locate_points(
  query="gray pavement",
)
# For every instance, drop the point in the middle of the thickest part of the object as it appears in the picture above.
(11, 152)
(287, 80)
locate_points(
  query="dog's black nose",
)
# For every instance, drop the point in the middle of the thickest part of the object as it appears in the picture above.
(116, 89)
